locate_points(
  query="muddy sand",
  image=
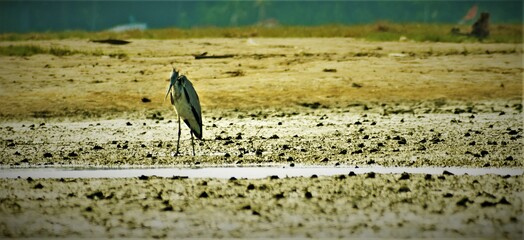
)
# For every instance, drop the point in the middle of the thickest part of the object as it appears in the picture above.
(330, 102)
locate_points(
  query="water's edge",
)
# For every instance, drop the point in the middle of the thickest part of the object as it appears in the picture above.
(250, 172)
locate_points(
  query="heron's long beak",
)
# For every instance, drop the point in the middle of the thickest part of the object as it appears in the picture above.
(168, 90)
(172, 80)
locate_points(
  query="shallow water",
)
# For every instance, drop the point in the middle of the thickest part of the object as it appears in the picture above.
(250, 172)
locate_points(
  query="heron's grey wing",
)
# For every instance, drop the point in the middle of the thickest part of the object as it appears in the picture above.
(192, 98)
(172, 97)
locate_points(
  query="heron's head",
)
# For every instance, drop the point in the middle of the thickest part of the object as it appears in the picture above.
(174, 76)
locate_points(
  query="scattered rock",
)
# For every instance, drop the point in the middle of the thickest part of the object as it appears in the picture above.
(448, 195)
(504, 201)
(359, 151)
(72, 154)
(404, 176)
(488, 204)
(203, 195)
(179, 177)
(167, 208)
(314, 105)
(404, 189)
(512, 132)
(279, 195)
(463, 202)
(96, 147)
(308, 195)
(96, 195)
(484, 153)
(427, 177)
(356, 85)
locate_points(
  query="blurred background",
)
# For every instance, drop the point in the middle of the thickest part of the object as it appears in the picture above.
(18, 16)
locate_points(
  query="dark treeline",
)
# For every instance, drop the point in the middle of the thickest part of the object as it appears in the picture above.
(27, 16)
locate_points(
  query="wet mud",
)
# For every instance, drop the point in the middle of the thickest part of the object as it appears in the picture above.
(468, 137)
(328, 102)
(367, 205)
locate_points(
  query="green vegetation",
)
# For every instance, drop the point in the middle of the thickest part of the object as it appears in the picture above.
(21, 50)
(29, 50)
(381, 31)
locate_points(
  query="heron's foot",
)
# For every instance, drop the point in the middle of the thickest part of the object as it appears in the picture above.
(175, 154)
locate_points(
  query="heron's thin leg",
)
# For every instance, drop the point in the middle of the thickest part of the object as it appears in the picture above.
(179, 132)
(192, 143)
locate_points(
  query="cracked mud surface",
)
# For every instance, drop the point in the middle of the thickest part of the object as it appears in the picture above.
(305, 101)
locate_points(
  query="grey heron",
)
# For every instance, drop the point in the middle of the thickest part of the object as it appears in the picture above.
(187, 105)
